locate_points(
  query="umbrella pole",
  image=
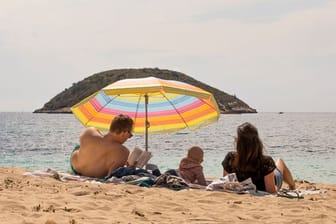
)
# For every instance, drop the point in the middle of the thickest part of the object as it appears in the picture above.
(147, 123)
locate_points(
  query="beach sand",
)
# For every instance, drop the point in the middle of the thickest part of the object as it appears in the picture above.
(26, 199)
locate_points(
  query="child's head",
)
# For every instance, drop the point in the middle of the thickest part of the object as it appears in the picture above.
(196, 153)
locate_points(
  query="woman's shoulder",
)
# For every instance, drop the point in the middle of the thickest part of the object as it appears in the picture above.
(230, 155)
(228, 159)
(267, 158)
(268, 162)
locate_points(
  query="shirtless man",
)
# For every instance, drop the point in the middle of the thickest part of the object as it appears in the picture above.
(99, 155)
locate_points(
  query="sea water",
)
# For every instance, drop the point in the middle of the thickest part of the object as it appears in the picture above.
(306, 141)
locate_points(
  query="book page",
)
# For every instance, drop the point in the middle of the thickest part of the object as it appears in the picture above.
(140, 157)
(133, 157)
(143, 159)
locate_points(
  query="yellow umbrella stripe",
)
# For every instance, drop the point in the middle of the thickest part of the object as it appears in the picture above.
(150, 82)
(127, 90)
(153, 89)
(188, 92)
(140, 98)
(204, 119)
(177, 84)
(89, 112)
(196, 112)
(79, 115)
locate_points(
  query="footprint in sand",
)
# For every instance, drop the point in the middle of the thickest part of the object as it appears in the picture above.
(81, 193)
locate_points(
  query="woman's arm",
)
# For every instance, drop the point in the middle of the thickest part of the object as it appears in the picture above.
(226, 164)
(270, 183)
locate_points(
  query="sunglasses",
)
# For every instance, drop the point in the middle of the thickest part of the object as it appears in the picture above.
(130, 134)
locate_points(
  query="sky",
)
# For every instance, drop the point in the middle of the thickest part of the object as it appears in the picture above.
(275, 55)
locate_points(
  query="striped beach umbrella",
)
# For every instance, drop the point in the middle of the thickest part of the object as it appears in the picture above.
(156, 106)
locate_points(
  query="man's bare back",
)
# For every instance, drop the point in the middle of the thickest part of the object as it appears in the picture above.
(99, 155)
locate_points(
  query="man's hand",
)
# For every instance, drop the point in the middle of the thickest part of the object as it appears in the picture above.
(131, 165)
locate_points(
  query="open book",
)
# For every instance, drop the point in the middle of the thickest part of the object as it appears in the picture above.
(140, 157)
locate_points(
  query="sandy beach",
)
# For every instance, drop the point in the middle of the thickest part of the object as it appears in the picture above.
(26, 199)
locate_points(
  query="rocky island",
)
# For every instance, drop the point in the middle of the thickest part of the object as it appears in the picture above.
(63, 101)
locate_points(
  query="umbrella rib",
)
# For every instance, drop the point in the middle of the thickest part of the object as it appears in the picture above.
(176, 110)
(209, 104)
(137, 109)
(107, 100)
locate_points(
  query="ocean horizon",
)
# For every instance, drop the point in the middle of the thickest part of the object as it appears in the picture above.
(306, 141)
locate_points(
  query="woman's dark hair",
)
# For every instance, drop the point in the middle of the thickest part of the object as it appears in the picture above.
(121, 123)
(249, 148)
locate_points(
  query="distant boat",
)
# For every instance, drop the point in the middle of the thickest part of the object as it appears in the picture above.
(281, 112)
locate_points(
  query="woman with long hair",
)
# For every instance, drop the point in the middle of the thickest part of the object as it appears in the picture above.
(249, 161)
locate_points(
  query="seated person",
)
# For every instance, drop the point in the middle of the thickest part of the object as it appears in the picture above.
(99, 155)
(190, 168)
(248, 160)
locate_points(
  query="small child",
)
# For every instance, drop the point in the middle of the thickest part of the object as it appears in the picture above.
(190, 168)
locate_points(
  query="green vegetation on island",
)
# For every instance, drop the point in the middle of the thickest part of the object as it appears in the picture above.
(62, 102)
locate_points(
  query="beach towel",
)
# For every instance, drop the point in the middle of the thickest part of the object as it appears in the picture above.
(230, 183)
(64, 176)
(140, 180)
(170, 181)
